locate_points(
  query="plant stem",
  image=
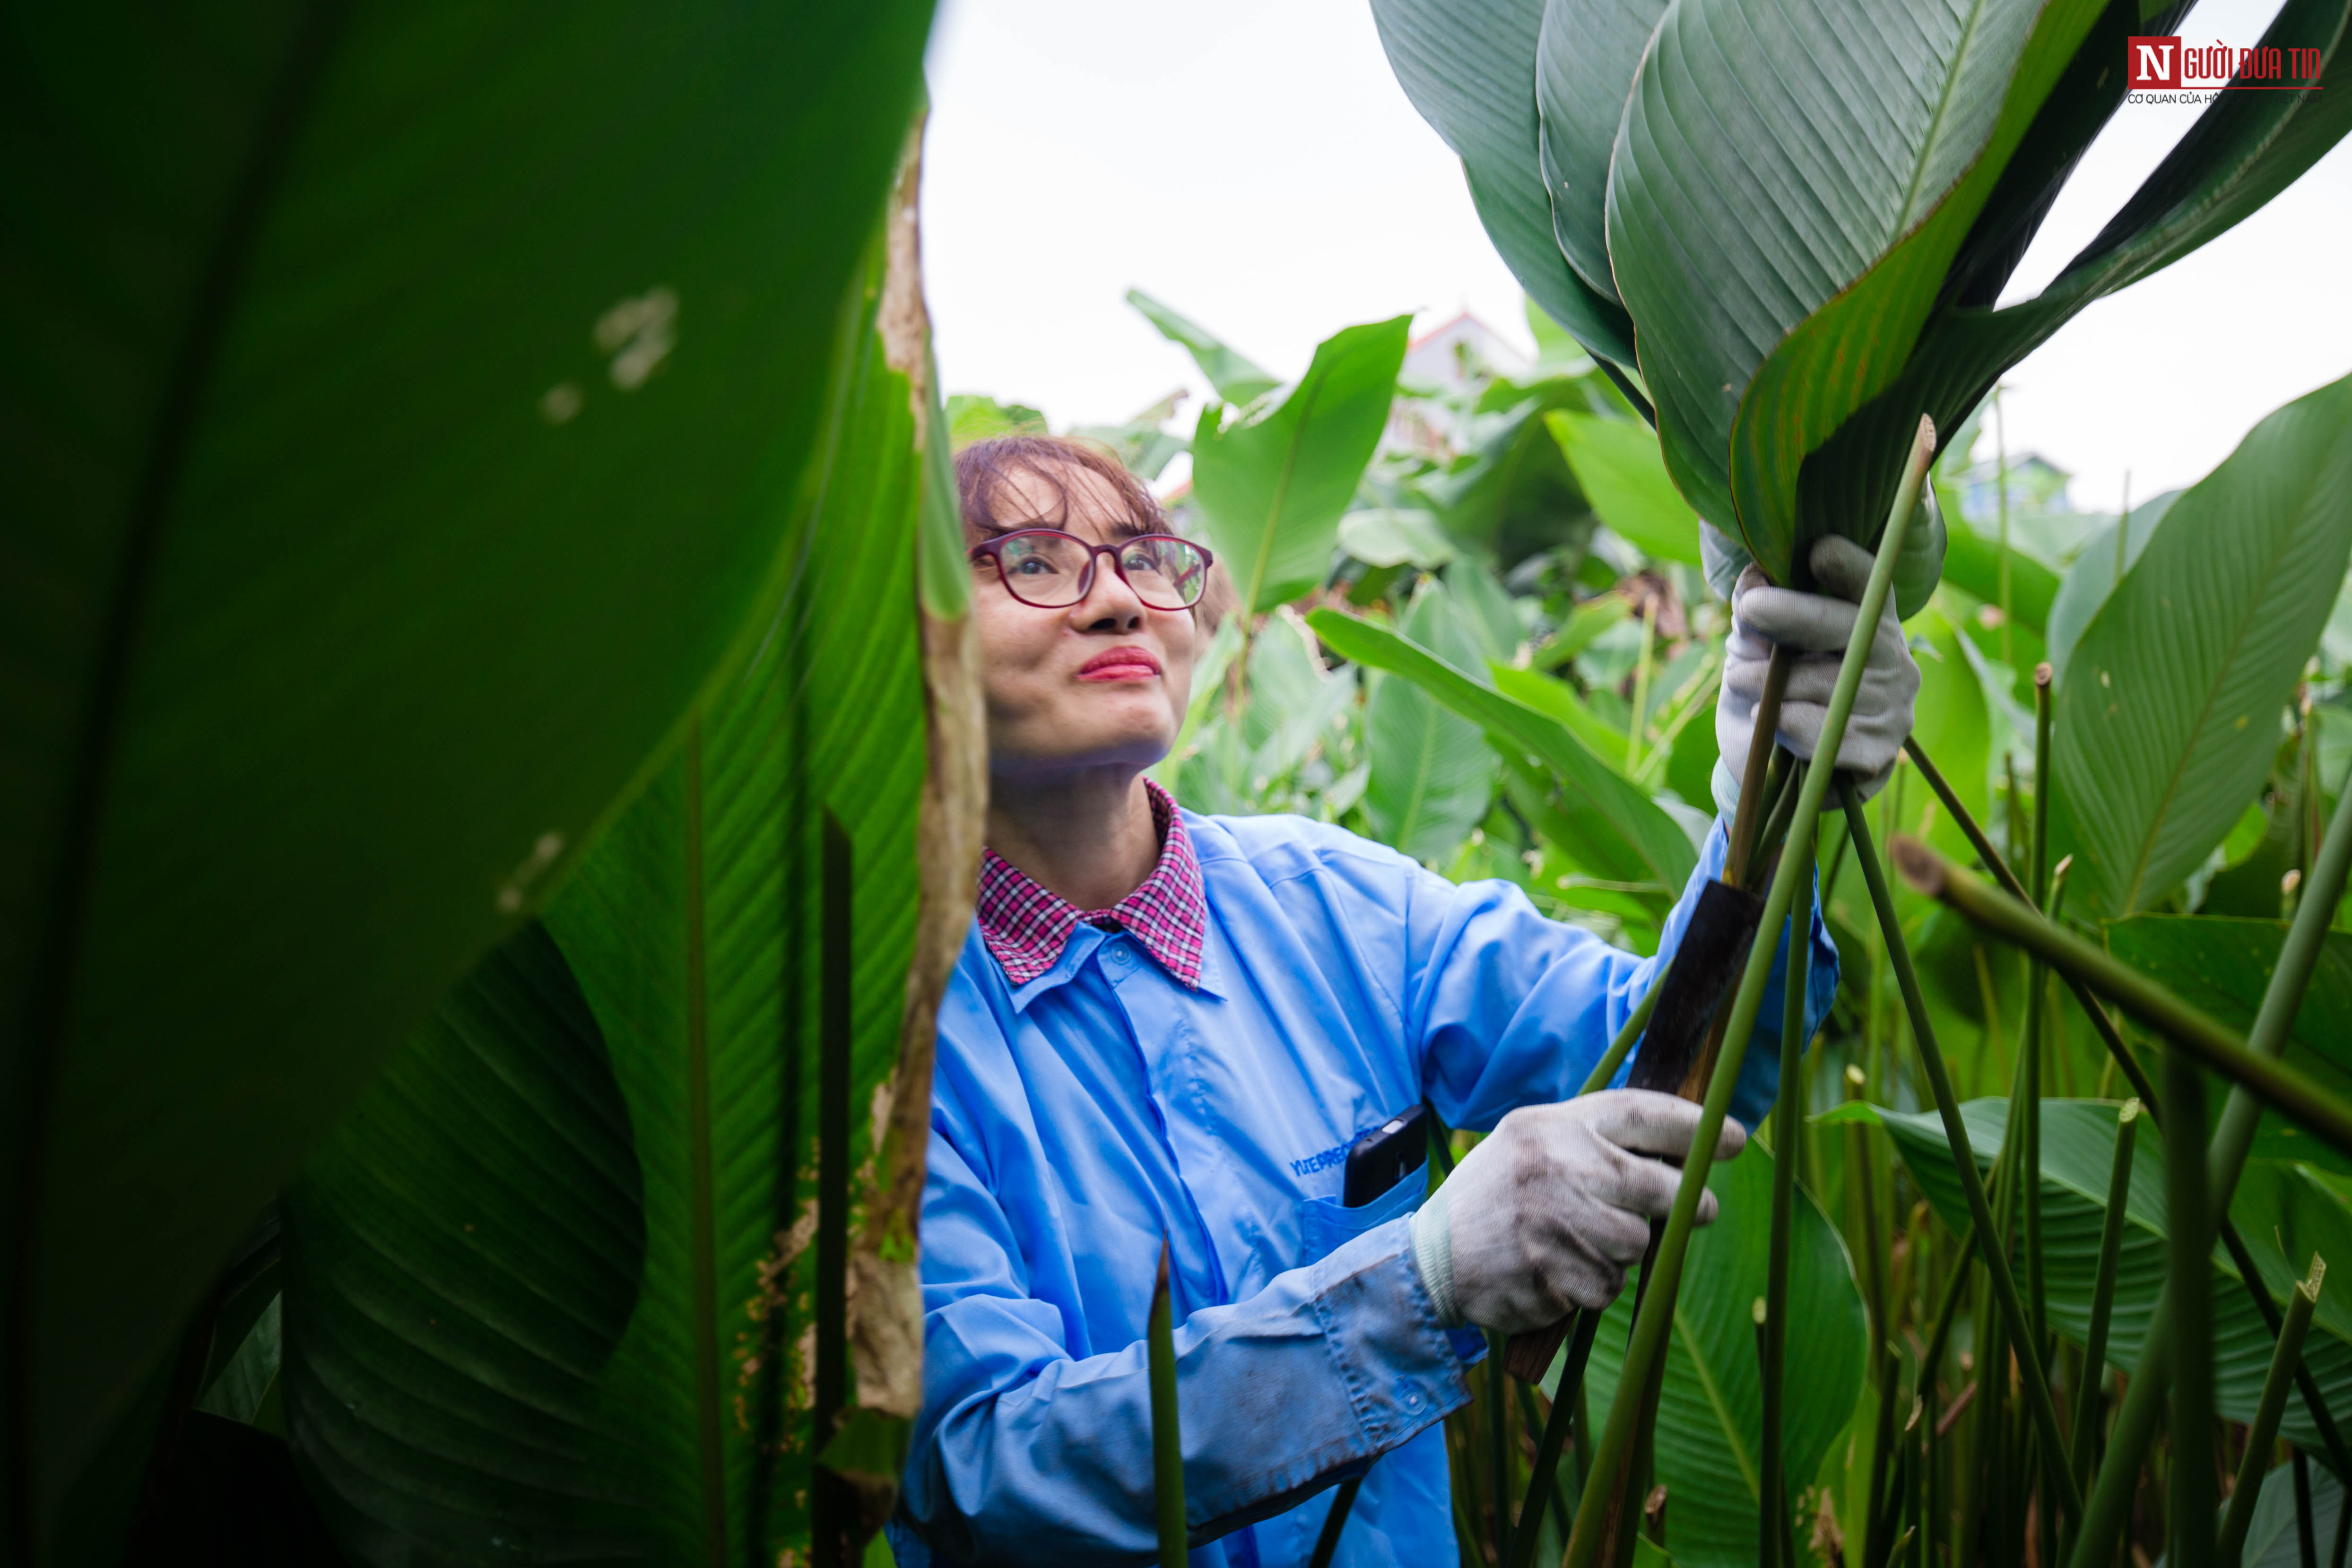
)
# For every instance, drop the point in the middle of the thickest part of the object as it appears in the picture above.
(2102, 1292)
(1327, 1543)
(2109, 1505)
(1167, 1437)
(1931, 1061)
(1648, 1341)
(2264, 1431)
(1565, 1398)
(2190, 1287)
(2284, 1088)
(2121, 1054)
(2000, 477)
(2313, 1400)
(1786, 1122)
(2037, 1008)
(1761, 748)
(1498, 1445)
(1635, 725)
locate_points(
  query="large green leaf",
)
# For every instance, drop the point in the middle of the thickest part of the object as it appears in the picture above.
(1775, 279)
(1586, 55)
(461, 1261)
(1515, 496)
(2277, 1205)
(2244, 148)
(2166, 722)
(1431, 778)
(403, 433)
(2222, 966)
(1710, 1411)
(1613, 828)
(2096, 569)
(696, 928)
(1617, 464)
(1972, 564)
(1236, 377)
(1272, 482)
(1469, 68)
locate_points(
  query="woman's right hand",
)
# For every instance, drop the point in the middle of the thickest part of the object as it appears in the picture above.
(1551, 1208)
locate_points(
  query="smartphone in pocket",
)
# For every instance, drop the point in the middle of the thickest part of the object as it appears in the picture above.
(1385, 1156)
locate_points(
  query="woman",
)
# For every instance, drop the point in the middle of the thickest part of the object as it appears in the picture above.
(1170, 1025)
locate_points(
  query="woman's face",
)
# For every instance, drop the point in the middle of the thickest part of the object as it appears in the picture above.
(1100, 684)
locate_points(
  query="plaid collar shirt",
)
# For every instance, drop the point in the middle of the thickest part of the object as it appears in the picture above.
(1026, 927)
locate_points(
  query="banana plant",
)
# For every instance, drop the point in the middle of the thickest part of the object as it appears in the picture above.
(1802, 216)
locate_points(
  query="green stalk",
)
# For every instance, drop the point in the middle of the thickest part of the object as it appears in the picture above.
(1636, 1023)
(1498, 1445)
(2265, 1432)
(2225, 1156)
(1542, 1486)
(1956, 1133)
(1327, 1543)
(2189, 1285)
(1648, 1341)
(2142, 1085)
(1533, 1509)
(1776, 827)
(1635, 725)
(2102, 1292)
(2308, 1386)
(2306, 1548)
(2260, 1075)
(1167, 1440)
(1786, 1130)
(2037, 1008)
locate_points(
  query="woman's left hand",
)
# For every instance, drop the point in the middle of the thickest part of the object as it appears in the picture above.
(1816, 626)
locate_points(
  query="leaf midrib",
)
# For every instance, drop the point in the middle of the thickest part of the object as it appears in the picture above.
(702, 1217)
(1905, 218)
(1732, 1437)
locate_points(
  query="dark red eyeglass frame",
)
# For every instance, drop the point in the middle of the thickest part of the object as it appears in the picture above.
(992, 551)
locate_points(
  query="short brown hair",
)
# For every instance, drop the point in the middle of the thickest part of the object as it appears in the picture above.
(983, 472)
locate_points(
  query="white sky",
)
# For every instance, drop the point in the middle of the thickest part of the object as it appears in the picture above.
(1254, 165)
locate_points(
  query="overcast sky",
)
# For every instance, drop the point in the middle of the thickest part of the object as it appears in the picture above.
(1254, 163)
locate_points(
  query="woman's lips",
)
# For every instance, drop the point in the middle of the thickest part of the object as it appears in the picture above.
(1120, 664)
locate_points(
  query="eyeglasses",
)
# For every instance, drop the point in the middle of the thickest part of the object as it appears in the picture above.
(1053, 571)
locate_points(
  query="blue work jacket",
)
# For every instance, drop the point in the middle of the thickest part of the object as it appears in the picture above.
(1078, 1119)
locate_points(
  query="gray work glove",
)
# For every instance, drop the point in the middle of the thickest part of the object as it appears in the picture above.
(1549, 1210)
(1817, 624)
(1917, 568)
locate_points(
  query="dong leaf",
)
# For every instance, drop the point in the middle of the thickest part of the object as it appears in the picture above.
(1586, 55)
(1272, 481)
(750, 913)
(2277, 1205)
(2222, 966)
(414, 401)
(1615, 831)
(1710, 1410)
(1430, 778)
(2244, 148)
(1617, 464)
(2167, 721)
(2093, 575)
(1470, 70)
(463, 1258)
(1778, 278)
(1236, 377)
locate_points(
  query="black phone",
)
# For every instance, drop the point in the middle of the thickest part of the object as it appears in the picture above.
(1385, 1156)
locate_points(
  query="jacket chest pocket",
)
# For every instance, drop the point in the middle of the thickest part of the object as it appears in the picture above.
(1325, 1223)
